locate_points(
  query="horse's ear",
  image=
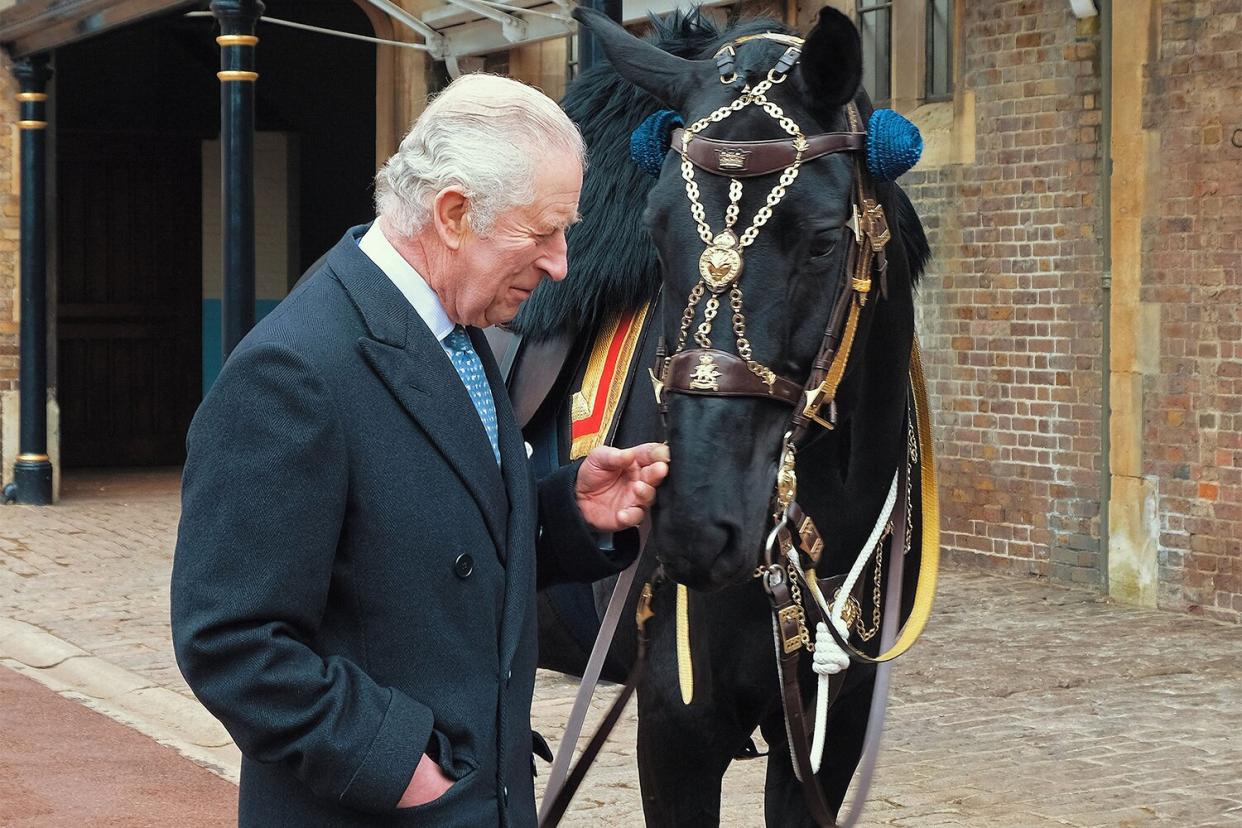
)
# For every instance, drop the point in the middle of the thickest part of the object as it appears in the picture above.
(671, 79)
(831, 64)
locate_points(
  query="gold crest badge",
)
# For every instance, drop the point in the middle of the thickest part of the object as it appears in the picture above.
(732, 159)
(706, 376)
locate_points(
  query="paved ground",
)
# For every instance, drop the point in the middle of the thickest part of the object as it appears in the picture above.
(1023, 705)
(113, 776)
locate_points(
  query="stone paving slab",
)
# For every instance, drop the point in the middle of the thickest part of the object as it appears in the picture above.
(1024, 704)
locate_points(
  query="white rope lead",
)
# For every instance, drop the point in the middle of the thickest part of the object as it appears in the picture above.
(829, 659)
(865, 554)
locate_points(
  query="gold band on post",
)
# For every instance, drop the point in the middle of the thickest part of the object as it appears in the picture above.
(31, 97)
(32, 458)
(237, 40)
(237, 75)
(32, 124)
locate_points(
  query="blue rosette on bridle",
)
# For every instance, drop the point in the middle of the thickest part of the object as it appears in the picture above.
(649, 143)
(894, 144)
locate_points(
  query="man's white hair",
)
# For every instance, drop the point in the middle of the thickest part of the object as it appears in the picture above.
(483, 133)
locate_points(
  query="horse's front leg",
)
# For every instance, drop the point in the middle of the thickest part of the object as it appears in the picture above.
(683, 752)
(784, 803)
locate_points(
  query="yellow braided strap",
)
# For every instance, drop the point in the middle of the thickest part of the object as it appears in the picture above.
(929, 563)
(685, 666)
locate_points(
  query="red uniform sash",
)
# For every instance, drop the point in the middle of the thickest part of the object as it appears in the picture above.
(595, 404)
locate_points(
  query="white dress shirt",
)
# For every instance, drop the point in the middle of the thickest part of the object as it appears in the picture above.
(408, 280)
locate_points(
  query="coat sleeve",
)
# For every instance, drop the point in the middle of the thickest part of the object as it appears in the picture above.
(263, 501)
(568, 550)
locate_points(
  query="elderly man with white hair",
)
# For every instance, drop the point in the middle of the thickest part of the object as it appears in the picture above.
(353, 590)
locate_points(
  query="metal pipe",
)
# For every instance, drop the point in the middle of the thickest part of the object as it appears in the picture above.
(1106, 283)
(237, 78)
(32, 473)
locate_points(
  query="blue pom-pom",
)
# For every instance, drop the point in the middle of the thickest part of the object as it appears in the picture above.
(649, 143)
(894, 145)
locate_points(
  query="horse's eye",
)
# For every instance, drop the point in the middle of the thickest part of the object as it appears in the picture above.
(824, 242)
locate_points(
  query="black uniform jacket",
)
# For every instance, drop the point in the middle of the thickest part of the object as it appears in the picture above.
(354, 578)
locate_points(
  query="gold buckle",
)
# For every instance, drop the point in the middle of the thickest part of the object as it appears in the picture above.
(789, 616)
(814, 401)
(875, 218)
(855, 224)
(644, 612)
(807, 532)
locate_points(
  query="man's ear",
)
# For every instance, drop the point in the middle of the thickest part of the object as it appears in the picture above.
(450, 213)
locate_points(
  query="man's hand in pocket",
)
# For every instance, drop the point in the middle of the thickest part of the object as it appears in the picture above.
(426, 785)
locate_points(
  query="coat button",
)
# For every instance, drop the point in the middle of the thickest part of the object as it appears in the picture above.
(504, 793)
(463, 566)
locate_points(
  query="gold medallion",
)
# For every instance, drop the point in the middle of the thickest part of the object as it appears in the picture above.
(721, 263)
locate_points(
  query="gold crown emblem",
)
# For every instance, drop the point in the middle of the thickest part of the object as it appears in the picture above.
(732, 159)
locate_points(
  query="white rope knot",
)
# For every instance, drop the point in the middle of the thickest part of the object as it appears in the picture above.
(829, 658)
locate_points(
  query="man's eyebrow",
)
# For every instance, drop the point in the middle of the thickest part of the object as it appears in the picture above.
(561, 224)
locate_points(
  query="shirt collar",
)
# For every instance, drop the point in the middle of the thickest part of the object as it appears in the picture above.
(408, 280)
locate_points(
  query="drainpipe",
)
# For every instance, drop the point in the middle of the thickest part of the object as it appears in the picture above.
(1106, 281)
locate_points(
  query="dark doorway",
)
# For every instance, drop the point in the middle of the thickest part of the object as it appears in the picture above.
(136, 110)
(321, 89)
(133, 108)
(129, 307)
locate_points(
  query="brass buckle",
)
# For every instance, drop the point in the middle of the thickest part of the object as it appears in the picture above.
(876, 225)
(870, 223)
(644, 612)
(814, 401)
(812, 544)
(855, 223)
(789, 617)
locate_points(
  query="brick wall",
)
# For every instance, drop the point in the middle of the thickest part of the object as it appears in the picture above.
(1192, 269)
(9, 225)
(1011, 311)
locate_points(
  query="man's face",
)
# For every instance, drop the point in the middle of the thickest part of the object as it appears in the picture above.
(525, 245)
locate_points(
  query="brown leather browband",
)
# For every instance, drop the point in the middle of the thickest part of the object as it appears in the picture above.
(726, 375)
(746, 159)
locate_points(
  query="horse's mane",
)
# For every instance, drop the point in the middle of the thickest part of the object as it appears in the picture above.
(913, 236)
(612, 261)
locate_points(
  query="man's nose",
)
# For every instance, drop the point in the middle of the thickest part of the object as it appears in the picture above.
(555, 260)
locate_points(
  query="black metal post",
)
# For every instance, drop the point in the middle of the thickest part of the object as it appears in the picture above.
(589, 51)
(237, 41)
(32, 473)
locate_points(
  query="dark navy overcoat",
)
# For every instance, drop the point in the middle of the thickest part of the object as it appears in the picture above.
(354, 577)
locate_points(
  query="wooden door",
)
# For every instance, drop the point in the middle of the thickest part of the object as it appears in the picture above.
(129, 324)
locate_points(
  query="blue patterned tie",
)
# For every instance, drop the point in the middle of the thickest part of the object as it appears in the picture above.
(470, 369)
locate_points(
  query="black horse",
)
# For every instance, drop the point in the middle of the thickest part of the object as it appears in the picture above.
(639, 244)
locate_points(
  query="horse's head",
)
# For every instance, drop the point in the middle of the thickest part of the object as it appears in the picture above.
(762, 255)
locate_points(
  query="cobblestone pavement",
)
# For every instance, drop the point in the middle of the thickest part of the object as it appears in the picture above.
(1023, 705)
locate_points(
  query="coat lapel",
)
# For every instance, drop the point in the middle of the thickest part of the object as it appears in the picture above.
(523, 510)
(405, 355)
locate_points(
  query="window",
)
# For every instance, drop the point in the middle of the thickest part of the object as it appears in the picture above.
(938, 73)
(875, 24)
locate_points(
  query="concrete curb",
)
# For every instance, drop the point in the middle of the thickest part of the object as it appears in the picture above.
(162, 714)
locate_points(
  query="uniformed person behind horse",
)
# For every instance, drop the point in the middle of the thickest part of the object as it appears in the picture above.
(361, 537)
